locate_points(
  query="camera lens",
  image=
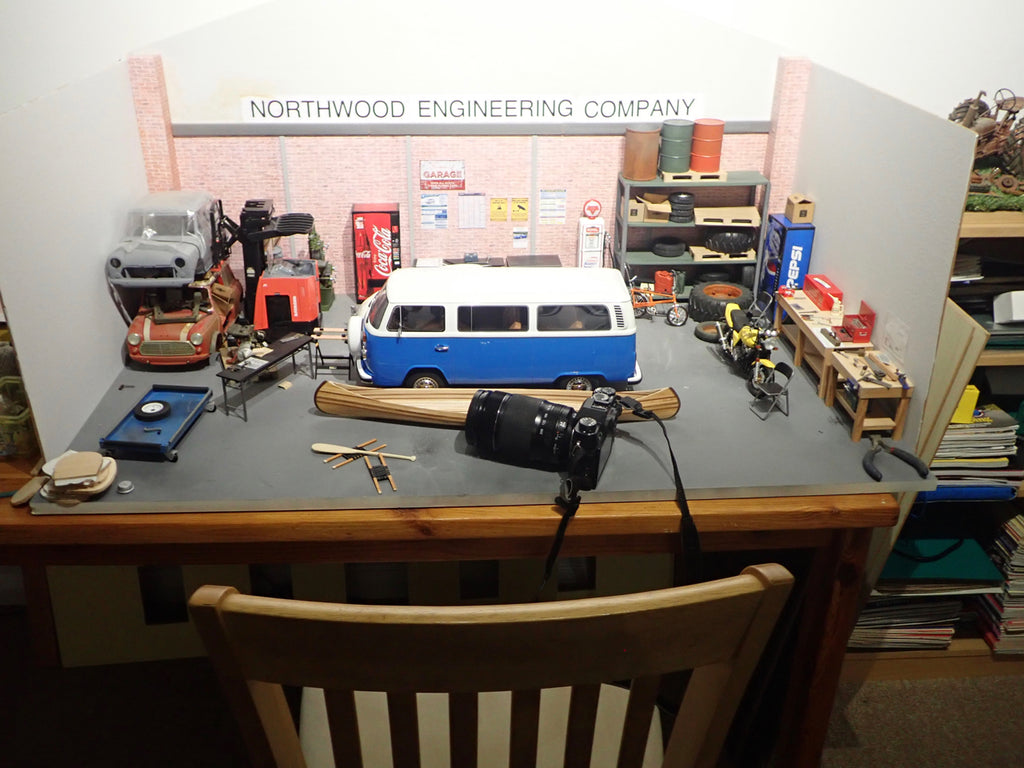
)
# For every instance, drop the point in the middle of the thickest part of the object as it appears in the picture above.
(519, 429)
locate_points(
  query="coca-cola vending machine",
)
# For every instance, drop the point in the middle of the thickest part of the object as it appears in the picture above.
(375, 244)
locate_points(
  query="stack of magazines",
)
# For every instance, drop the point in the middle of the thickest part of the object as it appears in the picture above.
(978, 460)
(1001, 615)
(920, 596)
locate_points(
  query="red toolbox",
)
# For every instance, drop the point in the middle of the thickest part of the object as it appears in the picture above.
(822, 291)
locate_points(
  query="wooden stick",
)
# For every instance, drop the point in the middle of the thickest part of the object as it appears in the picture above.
(350, 459)
(384, 463)
(339, 455)
(331, 448)
(369, 466)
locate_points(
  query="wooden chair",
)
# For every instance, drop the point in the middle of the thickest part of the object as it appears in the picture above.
(718, 629)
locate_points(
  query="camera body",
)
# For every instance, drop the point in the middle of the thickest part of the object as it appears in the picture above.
(529, 431)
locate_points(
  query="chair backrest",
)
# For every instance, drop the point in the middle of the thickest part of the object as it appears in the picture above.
(718, 629)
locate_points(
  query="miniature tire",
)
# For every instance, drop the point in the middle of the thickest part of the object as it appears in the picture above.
(729, 241)
(151, 410)
(639, 312)
(708, 300)
(707, 331)
(677, 316)
(425, 380)
(669, 246)
(580, 383)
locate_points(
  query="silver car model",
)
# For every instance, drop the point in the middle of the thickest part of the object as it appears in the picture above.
(171, 238)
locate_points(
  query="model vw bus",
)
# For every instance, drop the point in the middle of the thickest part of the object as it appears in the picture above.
(473, 325)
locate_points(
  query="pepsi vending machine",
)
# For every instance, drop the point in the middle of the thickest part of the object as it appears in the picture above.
(375, 245)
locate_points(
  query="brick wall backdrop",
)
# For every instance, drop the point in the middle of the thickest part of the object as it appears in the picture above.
(153, 115)
(325, 175)
(788, 107)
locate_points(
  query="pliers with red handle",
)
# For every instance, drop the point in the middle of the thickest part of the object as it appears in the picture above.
(877, 446)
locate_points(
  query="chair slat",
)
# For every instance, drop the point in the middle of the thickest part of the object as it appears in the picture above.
(524, 728)
(579, 738)
(344, 727)
(405, 735)
(462, 729)
(643, 696)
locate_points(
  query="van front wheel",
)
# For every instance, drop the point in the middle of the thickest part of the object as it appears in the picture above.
(425, 380)
(583, 383)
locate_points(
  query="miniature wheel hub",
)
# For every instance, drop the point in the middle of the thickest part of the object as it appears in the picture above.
(722, 291)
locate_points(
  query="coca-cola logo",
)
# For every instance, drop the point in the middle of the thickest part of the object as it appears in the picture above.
(382, 249)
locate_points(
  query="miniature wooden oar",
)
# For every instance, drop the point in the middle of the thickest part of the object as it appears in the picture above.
(341, 449)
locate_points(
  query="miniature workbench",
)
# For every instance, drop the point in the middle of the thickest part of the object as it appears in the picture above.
(874, 407)
(241, 374)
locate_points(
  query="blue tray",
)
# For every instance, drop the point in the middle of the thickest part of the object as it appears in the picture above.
(146, 434)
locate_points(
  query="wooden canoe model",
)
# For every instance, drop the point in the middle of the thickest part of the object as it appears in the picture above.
(448, 406)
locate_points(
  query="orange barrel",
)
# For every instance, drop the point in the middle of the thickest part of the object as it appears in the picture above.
(664, 281)
(705, 163)
(706, 147)
(640, 159)
(708, 128)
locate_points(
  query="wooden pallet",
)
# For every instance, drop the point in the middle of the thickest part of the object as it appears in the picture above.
(739, 216)
(705, 255)
(694, 176)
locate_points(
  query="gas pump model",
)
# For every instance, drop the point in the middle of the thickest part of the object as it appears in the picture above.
(590, 247)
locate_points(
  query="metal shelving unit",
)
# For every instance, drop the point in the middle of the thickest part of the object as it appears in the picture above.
(736, 200)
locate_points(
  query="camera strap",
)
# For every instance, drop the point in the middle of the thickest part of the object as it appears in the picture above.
(569, 501)
(692, 571)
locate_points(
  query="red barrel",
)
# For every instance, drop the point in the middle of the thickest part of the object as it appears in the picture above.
(706, 150)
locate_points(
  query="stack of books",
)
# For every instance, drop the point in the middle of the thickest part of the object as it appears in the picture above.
(1001, 615)
(920, 596)
(978, 460)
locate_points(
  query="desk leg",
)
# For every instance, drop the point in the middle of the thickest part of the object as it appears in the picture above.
(39, 608)
(831, 604)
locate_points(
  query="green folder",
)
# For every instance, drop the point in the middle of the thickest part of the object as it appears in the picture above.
(965, 561)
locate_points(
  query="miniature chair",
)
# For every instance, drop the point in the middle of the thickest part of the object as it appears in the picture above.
(761, 309)
(772, 394)
(409, 657)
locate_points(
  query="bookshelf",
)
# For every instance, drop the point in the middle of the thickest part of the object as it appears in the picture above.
(968, 655)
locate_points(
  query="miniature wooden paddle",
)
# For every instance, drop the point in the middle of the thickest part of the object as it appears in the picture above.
(341, 449)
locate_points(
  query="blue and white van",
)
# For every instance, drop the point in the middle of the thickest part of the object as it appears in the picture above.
(468, 324)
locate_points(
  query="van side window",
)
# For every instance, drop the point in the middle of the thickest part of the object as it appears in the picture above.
(573, 317)
(493, 319)
(378, 310)
(417, 319)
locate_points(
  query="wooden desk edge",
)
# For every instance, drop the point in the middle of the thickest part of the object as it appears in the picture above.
(425, 533)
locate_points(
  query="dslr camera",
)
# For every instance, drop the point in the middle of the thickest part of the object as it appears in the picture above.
(529, 431)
